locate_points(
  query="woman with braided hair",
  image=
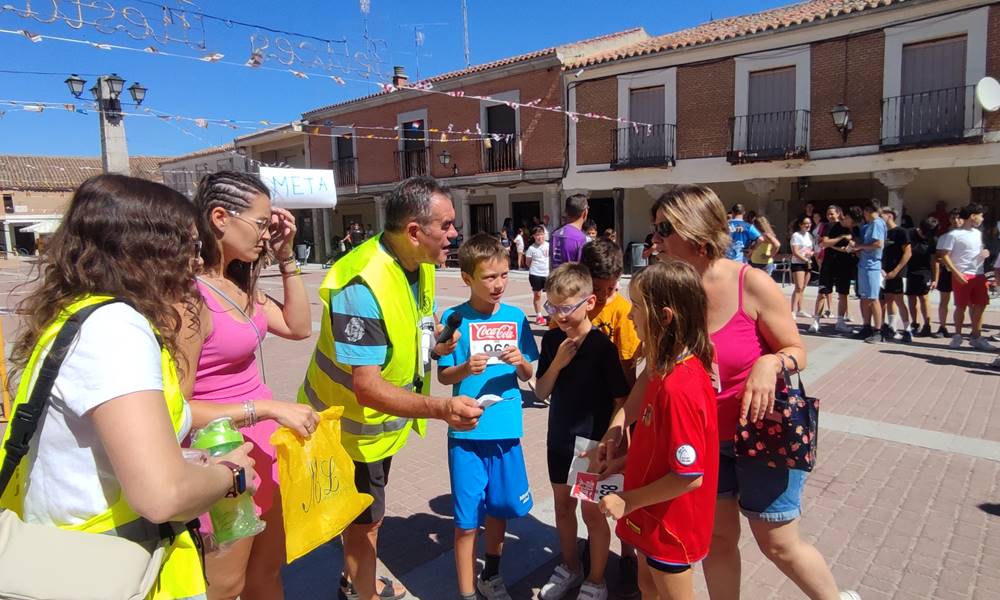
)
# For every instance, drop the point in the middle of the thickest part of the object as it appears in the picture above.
(239, 228)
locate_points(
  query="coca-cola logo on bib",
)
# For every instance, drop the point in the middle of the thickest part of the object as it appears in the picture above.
(494, 331)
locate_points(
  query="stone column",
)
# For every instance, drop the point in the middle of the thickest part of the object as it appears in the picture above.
(380, 212)
(460, 200)
(762, 190)
(895, 180)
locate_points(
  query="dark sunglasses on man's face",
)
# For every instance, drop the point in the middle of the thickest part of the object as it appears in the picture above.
(663, 229)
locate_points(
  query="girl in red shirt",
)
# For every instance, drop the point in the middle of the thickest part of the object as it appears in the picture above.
(671, 469)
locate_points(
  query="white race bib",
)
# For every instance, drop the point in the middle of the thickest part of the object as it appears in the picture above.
(492, 338)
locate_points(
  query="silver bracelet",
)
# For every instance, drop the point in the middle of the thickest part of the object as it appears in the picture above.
(249, 413)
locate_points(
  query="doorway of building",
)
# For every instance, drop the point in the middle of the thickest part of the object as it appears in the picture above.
(482, 218)
(602, 211)
(524, 213)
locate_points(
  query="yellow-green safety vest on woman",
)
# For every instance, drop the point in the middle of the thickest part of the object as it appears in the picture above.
(181, 576)
(370, 435)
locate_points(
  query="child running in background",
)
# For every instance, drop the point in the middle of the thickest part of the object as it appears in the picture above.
(579, 368)
(488, 477)
(536, 258)
(667, 508)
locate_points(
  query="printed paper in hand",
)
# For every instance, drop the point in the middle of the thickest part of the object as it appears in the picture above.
(585, 485)
(488, 400)
(492, 339)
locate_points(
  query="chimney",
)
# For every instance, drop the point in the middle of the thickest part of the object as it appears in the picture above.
(399, 77)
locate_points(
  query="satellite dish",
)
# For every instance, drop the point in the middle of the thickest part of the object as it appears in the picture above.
(988, 94)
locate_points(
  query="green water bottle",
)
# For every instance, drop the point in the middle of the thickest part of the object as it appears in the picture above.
(232, 518)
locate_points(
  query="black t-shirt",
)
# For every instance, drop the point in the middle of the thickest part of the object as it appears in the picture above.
(835, 230)
(583, 396)
(896, 239)
(923, 252)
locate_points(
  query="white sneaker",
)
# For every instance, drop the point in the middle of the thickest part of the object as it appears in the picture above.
(803, 314)
(843, 327)
(561, 581)
(592, 591)
(814, 328)
(492, 588)
(850, 595)
(956, 341)
(981, 343)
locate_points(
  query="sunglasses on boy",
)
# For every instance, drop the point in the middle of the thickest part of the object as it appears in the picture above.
(663, 228)
(563, 310)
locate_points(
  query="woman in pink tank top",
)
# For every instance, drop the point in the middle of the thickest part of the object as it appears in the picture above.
(237, 226)
(751, 325)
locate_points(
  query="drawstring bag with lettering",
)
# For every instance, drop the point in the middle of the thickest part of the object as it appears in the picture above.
(318, 496)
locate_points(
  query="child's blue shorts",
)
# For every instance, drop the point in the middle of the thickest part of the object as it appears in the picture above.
(487, 478)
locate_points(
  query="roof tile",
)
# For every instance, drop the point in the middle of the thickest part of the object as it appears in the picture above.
(63, 173)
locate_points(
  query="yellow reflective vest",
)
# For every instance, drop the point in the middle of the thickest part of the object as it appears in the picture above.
(370, 435)
(181, 576)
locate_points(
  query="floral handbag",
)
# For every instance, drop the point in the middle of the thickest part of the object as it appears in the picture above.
(786, 437)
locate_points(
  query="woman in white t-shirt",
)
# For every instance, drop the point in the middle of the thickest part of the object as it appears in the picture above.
(106, 430)
(536, 257)
(802, 253)
(518, 250)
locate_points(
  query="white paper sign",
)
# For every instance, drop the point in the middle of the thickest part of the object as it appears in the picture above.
(300, 188)
(492, 338)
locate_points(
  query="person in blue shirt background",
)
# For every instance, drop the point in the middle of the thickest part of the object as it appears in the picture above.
(870, 273)
(744, 235)
(486, 465)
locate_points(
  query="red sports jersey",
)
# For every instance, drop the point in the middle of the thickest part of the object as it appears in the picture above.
(676, 432)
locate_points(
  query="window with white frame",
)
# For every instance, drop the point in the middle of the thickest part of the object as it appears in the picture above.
(930, 71)
(647, 105)
(771, 109)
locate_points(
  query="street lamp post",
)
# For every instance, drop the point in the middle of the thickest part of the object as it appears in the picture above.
(114, 150)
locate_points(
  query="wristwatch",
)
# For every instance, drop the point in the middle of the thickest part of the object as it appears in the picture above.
(239, 479)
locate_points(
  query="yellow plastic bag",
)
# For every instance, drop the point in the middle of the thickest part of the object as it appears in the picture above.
(318, 496)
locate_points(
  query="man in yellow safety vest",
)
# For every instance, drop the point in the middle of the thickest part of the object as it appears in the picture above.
(373, 355)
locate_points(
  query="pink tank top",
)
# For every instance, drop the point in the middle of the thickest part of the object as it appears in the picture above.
(227, 367)
(738, 345)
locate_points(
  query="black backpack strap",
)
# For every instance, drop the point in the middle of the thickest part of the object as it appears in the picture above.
(24, 421)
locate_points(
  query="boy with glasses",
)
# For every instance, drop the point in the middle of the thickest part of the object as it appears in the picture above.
(581, 371)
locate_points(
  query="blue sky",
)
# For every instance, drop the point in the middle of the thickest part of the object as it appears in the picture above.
(220, 91)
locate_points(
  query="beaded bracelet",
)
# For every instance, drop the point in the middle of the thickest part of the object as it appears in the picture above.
(249, 413)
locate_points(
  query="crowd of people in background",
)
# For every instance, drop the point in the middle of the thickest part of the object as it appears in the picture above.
(893, 264)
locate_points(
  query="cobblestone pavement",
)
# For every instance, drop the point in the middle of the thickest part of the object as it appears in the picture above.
(902, 504)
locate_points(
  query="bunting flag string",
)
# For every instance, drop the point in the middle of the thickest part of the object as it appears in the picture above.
(422, 87)
(253, 125)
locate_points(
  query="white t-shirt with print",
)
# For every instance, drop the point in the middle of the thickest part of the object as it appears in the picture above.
(539, 255)
(805, 243)
(964, 246)
(70, 478)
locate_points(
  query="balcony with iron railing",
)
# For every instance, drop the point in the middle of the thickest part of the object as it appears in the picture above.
(945, 116)
(345, 171)
(500, 155)
(768, 136)
(411, 163)
(644, 146)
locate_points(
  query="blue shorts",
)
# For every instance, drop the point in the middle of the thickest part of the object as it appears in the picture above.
(764, 493)
(869, 284)
(487, 478)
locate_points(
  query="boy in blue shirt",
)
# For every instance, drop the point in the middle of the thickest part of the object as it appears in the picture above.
(870, 274)
(488, 477)
(744, 235)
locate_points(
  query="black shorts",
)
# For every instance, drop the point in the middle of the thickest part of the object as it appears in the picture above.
(559, 463)
(371, 478)
(894, 285)
(835, 276)
(537, 282)
(944, 280)
(800, 267)
(918, 283)
(665, 567)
